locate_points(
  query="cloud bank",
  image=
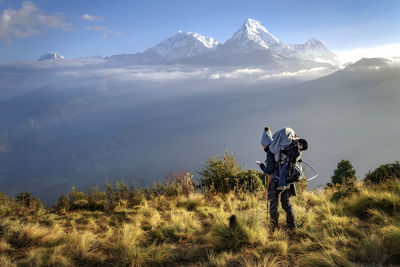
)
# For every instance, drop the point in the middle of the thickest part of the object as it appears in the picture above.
(385, 51)
(27, 21)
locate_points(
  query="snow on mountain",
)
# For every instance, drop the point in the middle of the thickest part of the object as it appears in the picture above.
(51, 56)
(183, 45)
(252, 44)
(314, 49)
(252, 35)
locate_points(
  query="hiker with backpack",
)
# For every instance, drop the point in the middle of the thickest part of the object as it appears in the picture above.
(283, 156)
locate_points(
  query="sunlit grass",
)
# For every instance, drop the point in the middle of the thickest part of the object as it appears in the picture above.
(360, 229)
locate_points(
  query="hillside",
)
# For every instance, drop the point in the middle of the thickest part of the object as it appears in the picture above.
(173, 224)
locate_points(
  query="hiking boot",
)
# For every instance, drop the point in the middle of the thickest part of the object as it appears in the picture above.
(274, 225)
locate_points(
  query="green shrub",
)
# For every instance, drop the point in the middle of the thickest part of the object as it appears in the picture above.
(384, 172)
(224, 175)
(249, 180)
(220, 173)
(344, 173)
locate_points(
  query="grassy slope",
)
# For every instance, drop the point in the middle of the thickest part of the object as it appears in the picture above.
(355, 229)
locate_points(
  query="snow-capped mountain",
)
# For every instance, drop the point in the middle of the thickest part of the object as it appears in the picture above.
(51, 56)
(252, 35)
(315, 50)
(251, 45)
(183, 45)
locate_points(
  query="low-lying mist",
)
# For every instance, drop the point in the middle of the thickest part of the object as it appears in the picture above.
(86, 121)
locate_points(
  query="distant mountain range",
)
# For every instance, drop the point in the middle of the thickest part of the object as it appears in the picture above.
(251, 45)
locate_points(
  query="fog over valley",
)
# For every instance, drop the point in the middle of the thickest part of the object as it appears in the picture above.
(82, 122)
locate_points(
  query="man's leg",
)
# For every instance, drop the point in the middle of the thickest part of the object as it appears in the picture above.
(273, 207)
(287, 206)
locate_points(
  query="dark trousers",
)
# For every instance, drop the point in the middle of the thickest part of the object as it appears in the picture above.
(273, 198)
(273, 195)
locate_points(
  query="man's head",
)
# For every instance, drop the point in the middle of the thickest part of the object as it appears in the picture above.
(303, 144)
(266, 138)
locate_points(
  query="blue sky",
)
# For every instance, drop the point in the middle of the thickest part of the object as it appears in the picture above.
(122, 26)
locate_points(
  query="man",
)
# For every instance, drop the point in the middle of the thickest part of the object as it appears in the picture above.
(282, 142)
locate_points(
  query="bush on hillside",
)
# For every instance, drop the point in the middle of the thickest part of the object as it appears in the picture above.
(344, 173)
(27, 202)
(224, 175)
(384, 172)
(178, 183)
(220, 173)
(249, 180)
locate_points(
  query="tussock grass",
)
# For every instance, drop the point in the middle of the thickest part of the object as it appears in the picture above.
(249, 230)
(386, 202)
(326, 258)
(181, 225)
(28, 235)
(391, 242)
(5, 261)
(357, 229)
(46, 257)
(84, 247)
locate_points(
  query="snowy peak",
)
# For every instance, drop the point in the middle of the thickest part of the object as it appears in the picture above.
(208, 42)
(51, 56)
(252, 42)
(183, 45)
(314, 49)
(252, 35)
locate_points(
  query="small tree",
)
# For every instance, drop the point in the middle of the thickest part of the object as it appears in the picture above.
(344, 173)
(220, 173)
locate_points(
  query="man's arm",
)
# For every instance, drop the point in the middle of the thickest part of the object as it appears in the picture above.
(269, 166)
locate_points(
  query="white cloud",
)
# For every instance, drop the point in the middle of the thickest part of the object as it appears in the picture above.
(385, 51)
(91, 18)
(255, 75)
(105, 32)
(27, 21)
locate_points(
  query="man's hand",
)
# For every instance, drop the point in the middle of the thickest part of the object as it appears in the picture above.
(258, 163)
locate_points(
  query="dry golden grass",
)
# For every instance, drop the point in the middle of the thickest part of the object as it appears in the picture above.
(193, 230)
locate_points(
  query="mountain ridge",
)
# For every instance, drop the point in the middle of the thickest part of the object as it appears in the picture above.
(251, 43)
